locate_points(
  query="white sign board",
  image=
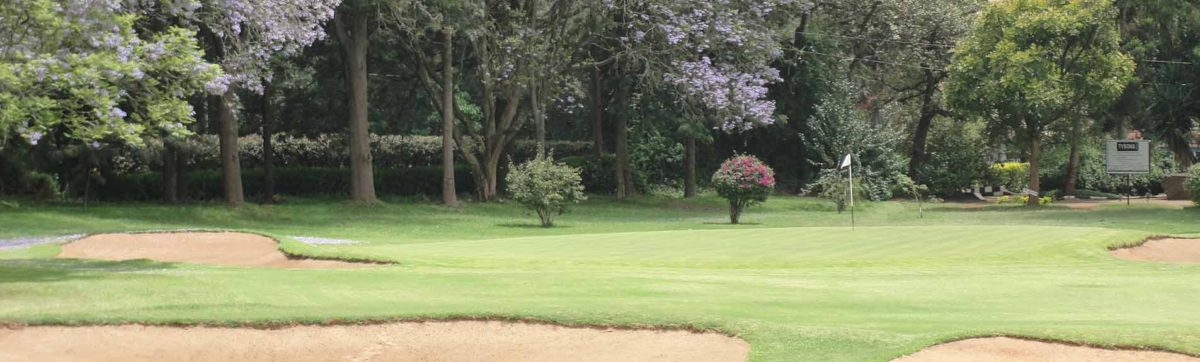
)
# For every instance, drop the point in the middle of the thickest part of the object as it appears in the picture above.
(1130, 157)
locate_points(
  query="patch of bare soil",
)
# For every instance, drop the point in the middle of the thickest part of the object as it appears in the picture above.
(431, 341)
(1092, 204)
(1163, 250)
(1001, 349)
(219, 248)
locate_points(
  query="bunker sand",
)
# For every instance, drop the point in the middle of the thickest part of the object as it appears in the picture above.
(430, 341)
(217, 248)
(1163, 250)
(1003, 349)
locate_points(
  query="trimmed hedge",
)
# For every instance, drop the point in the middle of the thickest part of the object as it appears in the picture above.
(295, 181)
(330, 150)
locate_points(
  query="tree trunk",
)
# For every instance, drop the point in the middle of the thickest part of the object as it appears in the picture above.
(231, 167)
(689, 183)
(598, 106)
(623, 174)
(622, 164)
(735, 212)
(921, 134)
(268, 145)
(170, 176)
(1035, 155)
(354, 43)
(449, 194)
(1072, 168)
(539, 118)
(180, 174)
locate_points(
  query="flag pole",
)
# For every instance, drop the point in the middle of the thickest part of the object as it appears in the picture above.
(851, 191)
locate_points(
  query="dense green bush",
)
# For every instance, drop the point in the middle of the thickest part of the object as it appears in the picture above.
(744, 181)
(296, 181)
(656, 160)
(1013, 175)
(1093, 175)
(544, 186)
(1193, 183)
(955, 157)
(598, 176)
(329, 150)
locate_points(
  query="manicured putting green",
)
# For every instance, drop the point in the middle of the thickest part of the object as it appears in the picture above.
(795, 293)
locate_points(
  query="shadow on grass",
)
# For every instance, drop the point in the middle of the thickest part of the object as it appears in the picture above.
(519, 225)
(54, 270)
(728, 224)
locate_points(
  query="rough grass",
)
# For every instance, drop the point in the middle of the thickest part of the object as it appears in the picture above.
(797, 283)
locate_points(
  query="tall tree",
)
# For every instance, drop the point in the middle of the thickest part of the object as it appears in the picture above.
(1029, 65)
(500, 56)
(352, 26)
(1165, 36)
(898, 50)
(244, 36)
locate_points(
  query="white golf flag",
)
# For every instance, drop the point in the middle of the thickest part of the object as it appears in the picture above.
(845, 162)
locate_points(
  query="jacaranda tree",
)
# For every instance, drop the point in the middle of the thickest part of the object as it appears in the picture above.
(88, 70)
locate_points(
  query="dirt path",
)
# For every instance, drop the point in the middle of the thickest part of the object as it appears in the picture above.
(434, 341)
(219, 248)
(1163, 250)
(1018, 350)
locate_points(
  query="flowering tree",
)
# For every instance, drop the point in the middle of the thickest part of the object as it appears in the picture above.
(715, 54)
(88, 70)
(744, 181)
(245, 35)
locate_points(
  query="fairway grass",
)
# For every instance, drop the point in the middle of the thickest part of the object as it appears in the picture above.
(797, 283)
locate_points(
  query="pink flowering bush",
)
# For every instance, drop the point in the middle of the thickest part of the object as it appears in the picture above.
(744, 181)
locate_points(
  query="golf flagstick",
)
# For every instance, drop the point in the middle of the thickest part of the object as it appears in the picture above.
(848, 162)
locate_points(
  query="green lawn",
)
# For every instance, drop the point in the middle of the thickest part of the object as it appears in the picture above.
(796, 281)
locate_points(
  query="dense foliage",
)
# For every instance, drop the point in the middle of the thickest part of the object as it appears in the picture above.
(1030, 66)
(640, 95)
(92, 72)
(744, 181)
(548, 188)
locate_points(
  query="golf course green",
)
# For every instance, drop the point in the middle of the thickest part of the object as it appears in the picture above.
(795, 281)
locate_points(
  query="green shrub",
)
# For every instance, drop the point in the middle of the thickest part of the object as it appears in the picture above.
(42, 186)
(954, 157)
(326, 150)
(1013, 175)
(744, 181)
(1023, 199)
(598, 176)
(656, 160)
(1193, 183)
(544, 186)
(295, 181)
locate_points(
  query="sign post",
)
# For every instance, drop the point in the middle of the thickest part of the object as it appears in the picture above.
(1127, 157)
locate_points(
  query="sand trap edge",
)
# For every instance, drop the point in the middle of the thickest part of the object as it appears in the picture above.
(679, 340)
(333, 322)
(1063, 342)
(278, 244)
(1142, 241)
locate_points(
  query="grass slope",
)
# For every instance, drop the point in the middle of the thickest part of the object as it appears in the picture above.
(796, 284)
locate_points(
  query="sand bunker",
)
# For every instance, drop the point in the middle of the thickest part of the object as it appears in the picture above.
(1163, 250)
(219, 248)
(433, 341)
(1014, 350)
